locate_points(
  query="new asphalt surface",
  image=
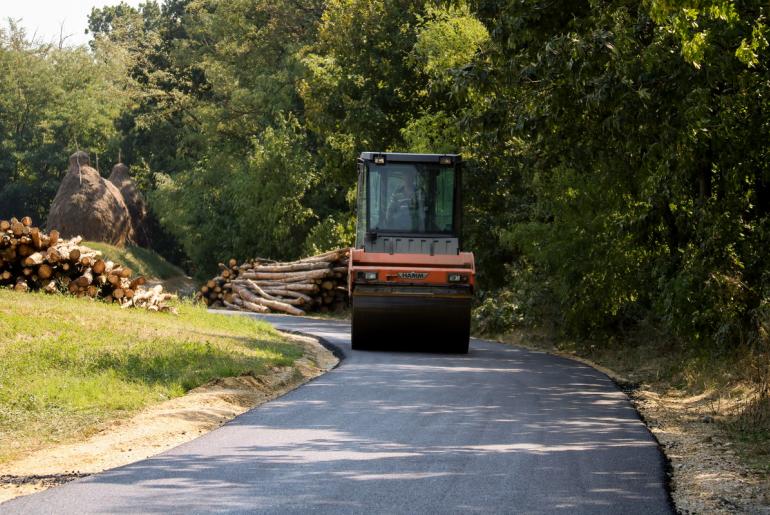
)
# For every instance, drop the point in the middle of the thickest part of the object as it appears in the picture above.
(501, 430)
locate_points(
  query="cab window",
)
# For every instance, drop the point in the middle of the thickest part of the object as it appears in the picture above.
(410, 198)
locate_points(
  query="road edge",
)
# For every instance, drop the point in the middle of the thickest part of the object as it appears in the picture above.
(627, 388)
(286, 380)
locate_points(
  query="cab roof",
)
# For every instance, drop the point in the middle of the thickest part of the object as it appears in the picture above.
(409, 158)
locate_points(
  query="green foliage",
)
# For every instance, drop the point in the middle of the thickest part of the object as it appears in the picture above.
(279, 174)
(647, 193)
(448, 40)
(707, 27)
(329, 234)
(497, 313)
(435, 133)
(360, 89)
(231, 207)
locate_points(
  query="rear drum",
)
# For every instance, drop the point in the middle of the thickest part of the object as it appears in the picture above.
(411, 322)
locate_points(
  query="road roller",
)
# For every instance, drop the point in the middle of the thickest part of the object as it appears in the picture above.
(410, 285)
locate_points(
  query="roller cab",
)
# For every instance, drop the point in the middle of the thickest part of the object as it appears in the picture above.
(410, 285)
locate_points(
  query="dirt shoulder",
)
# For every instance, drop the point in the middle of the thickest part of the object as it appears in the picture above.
(711, 470)
(162, 426)
(707, 472)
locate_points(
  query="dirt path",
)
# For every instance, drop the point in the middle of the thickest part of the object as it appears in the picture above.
(706, 474)
(160, 427)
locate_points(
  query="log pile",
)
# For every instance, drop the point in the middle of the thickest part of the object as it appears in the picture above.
(31, 260)
(317, 283)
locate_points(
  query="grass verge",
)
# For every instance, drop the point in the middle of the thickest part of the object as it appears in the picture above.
(140, 260)
(68, 365)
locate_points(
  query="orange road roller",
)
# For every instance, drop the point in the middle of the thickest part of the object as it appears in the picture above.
(410, 285)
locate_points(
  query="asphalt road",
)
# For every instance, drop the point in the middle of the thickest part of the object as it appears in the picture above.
(500, 430)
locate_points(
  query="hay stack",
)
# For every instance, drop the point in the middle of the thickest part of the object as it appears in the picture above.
(121, 178)
(89, 206)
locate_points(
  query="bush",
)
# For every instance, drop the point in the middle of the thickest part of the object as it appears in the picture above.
(497, 313)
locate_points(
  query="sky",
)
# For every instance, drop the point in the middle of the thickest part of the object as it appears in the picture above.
(46, 17)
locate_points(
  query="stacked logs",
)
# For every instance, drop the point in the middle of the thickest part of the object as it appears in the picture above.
(317, 283)
(31, 260)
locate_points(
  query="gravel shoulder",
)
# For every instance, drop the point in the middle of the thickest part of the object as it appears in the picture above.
(707, 474)
(161, 427)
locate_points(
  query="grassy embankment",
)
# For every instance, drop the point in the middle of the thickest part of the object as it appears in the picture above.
(141, 261)
(69, 365)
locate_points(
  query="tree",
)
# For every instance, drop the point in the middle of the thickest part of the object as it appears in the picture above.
(633, 212)
(52, 101)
